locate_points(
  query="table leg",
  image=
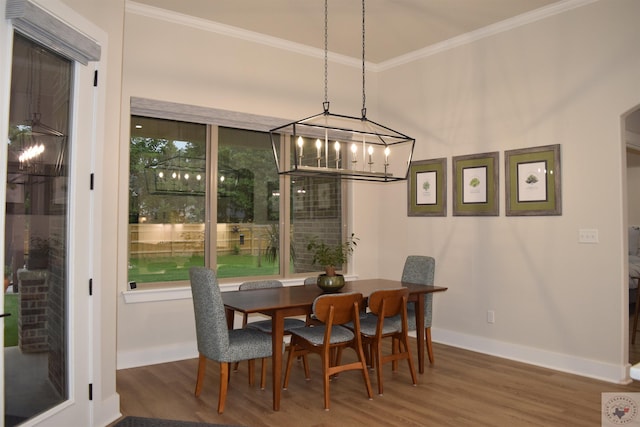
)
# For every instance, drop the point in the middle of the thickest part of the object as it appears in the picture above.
(635, 314)
(277, 335)
(230, 314)
(420, 332)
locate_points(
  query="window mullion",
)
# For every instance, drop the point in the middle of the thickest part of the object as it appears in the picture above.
(210, 238)
(285, 212)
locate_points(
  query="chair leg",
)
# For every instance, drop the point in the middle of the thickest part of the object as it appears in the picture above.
(363, 362)
(305, 364)
(429, 346)
(224, 377)
(263, 375)
(412, 369)
(285, 382)
(252, 369)
(395, 350)
(326, 362)
(378, 363)
(202, 365)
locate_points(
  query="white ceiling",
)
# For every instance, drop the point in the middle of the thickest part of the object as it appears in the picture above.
(393, 27)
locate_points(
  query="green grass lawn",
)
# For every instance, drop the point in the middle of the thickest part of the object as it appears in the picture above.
(11, 322)
(172, 269)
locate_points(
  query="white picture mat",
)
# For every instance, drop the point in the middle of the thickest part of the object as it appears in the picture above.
(474, 185)
(532, 182)
(426, 188)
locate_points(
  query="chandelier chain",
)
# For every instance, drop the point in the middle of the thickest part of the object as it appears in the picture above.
(326, 50)
(364, 98)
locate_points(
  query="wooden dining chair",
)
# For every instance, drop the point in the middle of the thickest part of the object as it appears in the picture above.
(333, 311)
(265, 325)
(216, 341)
(387, 318)
(421, 269)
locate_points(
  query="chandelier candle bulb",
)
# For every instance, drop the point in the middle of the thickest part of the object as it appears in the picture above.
(300, 144)
(318, 147)
(354, 157)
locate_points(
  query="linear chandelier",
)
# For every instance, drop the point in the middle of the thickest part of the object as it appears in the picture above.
(351, 148)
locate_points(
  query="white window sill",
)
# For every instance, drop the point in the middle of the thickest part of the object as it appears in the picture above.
(184, 292)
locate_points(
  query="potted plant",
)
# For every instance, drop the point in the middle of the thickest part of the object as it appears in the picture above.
(329, 257)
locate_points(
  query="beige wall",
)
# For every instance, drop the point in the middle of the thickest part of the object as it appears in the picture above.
(109, 17)
(557, 303)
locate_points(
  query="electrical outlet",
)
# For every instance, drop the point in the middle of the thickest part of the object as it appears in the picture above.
(491, 316)
(587, 235)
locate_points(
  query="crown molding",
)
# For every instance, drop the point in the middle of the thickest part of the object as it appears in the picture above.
(278, 43)
(490, 30)
(239, 33)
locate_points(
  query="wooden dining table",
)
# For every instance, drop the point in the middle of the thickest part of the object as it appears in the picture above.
(288, 301)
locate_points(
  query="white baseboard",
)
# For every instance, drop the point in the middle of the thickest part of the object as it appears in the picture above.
(618, 374)
(155, 355)
(108, 411)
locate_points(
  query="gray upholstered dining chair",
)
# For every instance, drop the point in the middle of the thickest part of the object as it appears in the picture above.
(421, 269)
(215, 341)
(265, 325)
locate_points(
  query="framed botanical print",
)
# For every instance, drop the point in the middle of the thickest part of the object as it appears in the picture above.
(427, 188)
(532, 181)
(475, 185)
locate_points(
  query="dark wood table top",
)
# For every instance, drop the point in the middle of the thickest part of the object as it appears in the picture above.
(268, 300)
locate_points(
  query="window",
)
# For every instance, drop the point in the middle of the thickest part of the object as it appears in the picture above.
(172, 198)
(167, 183)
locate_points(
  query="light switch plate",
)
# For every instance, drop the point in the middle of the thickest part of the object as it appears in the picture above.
(589, 235)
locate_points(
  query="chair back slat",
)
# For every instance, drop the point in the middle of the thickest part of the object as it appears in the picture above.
(345, 307)
(388, 302)
(211, 323)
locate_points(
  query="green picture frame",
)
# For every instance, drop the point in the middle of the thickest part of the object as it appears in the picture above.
(475, 185)
(427, 188)
(533, 179)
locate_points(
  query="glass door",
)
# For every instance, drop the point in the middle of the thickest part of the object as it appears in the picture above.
(40, 370)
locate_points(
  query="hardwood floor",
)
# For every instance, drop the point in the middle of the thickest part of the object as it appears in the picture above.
(462, 388)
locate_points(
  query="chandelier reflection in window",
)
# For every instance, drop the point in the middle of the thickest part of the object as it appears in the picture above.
(178, 175)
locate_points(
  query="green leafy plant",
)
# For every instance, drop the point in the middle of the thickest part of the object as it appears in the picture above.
(331, 256)
(272, 235)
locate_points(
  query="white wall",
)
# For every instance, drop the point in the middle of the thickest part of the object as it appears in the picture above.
(558, 81)
(564, 80)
